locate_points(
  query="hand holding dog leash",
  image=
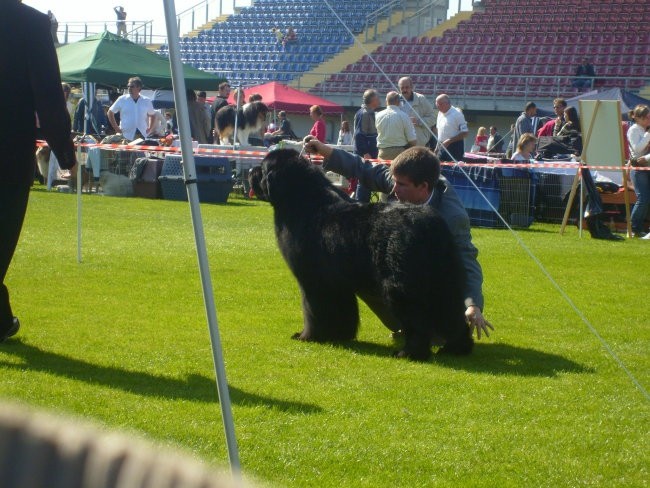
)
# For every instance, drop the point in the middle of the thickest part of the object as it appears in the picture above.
(314, 146)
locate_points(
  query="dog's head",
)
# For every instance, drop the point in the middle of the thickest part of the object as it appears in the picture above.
(281, 174)
(255, 112)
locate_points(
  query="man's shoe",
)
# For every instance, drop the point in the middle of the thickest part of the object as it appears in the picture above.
(13, 330)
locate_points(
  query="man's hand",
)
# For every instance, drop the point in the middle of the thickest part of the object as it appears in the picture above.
(446, 142)
(475, 320)
(314, 146)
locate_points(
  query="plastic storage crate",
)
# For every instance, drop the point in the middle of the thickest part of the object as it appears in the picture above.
(171, 178)
(148, 185)
(213, 175)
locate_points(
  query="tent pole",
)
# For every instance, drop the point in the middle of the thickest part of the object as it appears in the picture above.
(189, 173)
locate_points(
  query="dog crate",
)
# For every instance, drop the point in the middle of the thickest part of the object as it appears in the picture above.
(507, 190)
(146, 184)
(213, 175)
(171, 178)
(240, 166)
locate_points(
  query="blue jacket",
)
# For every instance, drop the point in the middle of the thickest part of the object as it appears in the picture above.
(444, 200)
(365, 132)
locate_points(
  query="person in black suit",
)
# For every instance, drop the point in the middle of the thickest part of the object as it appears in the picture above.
(31, 94)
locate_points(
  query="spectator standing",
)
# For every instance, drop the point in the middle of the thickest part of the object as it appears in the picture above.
(495, 141)
(239, 97)
(585, 74)
(169, 123)
(199, 120)
(318, 130)
(638, 139)
(54, 27)
(290, 37)
(136, 112)
(526, 123)
(395, 131)
(97, 118)
(365, 138)
(452, 130)
(201, 97)
(221, 100)
(481, 140)
(552, 127)
(67, 91)
(121, 21)
(30, 74)
(345, 136)
(279, 36)
(419, 109)
(159, 126)
(365, 129)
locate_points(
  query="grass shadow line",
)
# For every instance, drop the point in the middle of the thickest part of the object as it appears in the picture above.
(195, 387)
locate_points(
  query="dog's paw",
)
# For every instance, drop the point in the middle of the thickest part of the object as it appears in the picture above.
(301, 336)
(413, 356)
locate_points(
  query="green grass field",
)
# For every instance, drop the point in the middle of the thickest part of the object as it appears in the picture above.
(122, 340)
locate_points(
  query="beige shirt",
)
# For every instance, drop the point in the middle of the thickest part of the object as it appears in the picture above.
(394, 128)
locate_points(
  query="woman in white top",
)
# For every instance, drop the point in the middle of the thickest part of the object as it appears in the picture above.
(345, 136)
(525, 147)
(638, 138)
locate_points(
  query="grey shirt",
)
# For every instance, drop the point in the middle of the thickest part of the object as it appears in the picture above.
(444, 200)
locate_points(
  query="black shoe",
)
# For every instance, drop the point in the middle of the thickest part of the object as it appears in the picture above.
(13, 330)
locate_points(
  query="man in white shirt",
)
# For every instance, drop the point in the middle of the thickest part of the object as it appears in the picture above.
(395, 131)
(452, 130)
(419, 109)
(136, 112)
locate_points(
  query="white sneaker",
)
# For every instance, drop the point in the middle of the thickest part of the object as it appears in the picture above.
(646, 237)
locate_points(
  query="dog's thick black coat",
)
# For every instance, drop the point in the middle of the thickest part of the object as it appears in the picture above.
(399, 259)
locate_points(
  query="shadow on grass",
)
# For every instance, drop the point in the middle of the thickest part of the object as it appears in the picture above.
(498, 359)
(194, 388)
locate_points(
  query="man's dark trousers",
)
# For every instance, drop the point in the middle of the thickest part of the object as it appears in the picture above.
(13, 205)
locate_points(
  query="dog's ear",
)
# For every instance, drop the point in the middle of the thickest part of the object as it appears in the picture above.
(276, 181)
(255, 176)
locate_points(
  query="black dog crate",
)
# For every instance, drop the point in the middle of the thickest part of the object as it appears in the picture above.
(213, 175)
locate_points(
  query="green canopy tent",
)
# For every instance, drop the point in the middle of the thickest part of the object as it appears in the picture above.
(108, 59)
(111, 60)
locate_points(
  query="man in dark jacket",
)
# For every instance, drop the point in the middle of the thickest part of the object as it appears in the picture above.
(31, 85)
(585, 74)
(365, 137)
(414, 188)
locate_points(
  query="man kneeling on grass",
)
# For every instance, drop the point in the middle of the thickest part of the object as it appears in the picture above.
(414, 177)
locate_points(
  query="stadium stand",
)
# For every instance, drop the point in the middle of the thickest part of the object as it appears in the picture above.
(514, 49)
(243, 48)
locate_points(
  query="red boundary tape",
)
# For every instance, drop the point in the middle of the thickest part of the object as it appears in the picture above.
(257, 154)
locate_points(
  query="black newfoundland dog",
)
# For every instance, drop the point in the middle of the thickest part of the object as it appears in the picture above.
(399, 259)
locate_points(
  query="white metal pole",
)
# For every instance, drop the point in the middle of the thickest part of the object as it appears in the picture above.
(79, 202)
(582, 199)
(189, 172)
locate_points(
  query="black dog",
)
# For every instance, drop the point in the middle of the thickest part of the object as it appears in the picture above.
(399, 259)
(250, 119)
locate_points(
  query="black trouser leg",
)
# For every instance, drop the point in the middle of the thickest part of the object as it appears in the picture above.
(13, 205)
(594, 201)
